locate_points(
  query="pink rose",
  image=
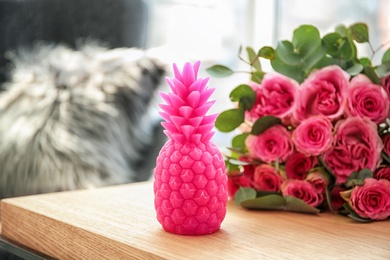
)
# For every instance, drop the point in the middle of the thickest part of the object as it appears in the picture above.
(275, 96)
(356, 145)
(271, 145)
(267, 179)
(318, 180)
(382, 173)
(324, 92)
(372, 200)
(232, 185)
(298, 164)
(302, 190)
(386, 144)
(237, 179)
(366, 99)
(313, 136)
(337, 200)
(386, 85)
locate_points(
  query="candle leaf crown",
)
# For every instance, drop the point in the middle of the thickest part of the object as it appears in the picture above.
(186, 106)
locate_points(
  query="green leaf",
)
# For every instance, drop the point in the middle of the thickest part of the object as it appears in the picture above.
(347, 50)
(360, 32)
(298, 205)
(230, 119)
(332, 43)
(239, 140)
(294, 72)
(383, 70)
(278, 202)
(371, 74)
(257, 76)
(245, 95)
(358, 177)
(328, 197)
(355, 69)
(285, 51)
(253, 58)
(263, 123)
(231, 168)
(386, 57)
(352, 214)
(237, 162)
(342, 30)
(219, 71)
(386, 157)
(308, 44)
(273, 202)
(266, 52)
(314, 57)
(326, 167)
(326, 61)
(306, 40)
(238, 151)
(365, 61)
(244, 194)
(356, 217)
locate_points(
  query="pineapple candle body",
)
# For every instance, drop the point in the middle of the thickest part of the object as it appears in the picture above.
(190, 184)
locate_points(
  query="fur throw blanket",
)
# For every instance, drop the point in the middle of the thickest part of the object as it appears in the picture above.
(75, 119)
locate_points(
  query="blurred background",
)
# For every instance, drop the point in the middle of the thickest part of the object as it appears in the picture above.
(185, 30)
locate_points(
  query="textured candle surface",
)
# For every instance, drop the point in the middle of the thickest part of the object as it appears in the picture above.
(190, 181)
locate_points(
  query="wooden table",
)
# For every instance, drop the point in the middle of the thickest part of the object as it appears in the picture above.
(119, 223)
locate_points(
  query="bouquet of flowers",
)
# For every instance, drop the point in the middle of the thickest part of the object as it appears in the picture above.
(314, 134)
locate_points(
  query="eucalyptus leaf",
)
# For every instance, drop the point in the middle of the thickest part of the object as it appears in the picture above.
(244, 194)
(286, 53)
(298, 205)
(229, 120)
(231, 168)
(356, 217)
(237, 162)
(267, 52)
(386, 157)
(347, 50)
(360, 32)
(358, 177)
(371, 74)
(326, 167)
(219, 71)
(261, 193)
(239, 141)
(245, 95)
(253, 58)
(314, 56)
(355, 69)
(294, 72)
(238, 151)
(383, 70)
(342, 30)
(308, 44)
(365, 61)
(328, 197)
(386, 57)
(332, 43)
(270, 202)
(263, 123)
(307, 41)
(326, 61)
(257, 76)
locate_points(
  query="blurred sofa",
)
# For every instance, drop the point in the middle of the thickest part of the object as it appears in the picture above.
(113, 23)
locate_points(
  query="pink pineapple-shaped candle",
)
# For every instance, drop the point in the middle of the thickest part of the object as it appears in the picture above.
(190, 184)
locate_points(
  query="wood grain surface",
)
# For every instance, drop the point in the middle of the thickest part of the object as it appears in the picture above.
(119, 223)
